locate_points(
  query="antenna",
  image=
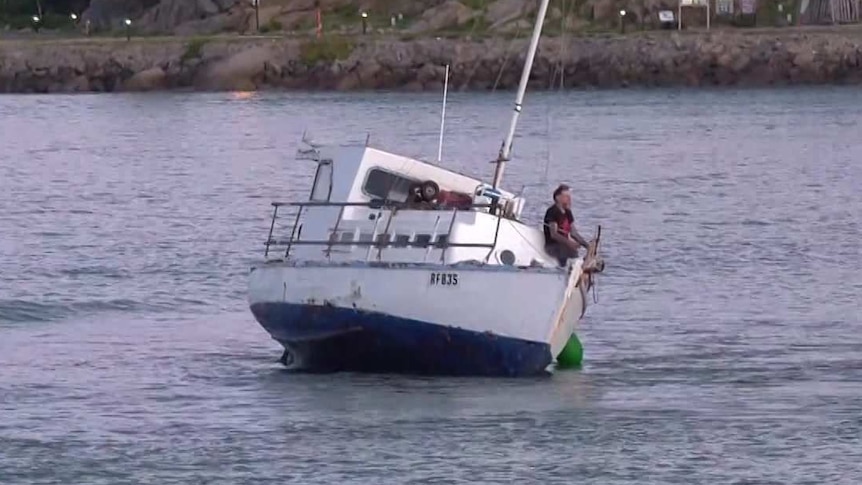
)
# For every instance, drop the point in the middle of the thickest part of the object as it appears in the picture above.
(443, 115)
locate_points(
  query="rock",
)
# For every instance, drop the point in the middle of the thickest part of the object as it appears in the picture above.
(348, 83)
(169, 14)
(449, 14)
(238, 72)
(265, 16)
(429, 73)
(522, 25)
(367, 72)
(207, 7)
(232, 21)
(303, 5)
(502, 12)
(648, 59)
(413, 86)
(280, 18)
(108, 14)
(804, 59)
(78, 84)
(147, 80)
(576, 24)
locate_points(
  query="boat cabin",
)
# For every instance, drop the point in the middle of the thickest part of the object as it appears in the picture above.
(370, 205)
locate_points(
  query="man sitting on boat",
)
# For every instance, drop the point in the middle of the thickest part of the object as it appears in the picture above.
(562, 240)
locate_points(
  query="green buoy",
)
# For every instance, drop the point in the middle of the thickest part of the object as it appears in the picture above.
(572, 355)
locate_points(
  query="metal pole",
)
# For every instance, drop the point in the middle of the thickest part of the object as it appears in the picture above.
(443, 116)
(271, 227)
(708, 14)
(319, 19)
(506, 149)
(257, 15)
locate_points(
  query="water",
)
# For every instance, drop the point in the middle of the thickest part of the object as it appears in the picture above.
(725, 347)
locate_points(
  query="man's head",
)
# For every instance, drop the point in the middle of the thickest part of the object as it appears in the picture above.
(562, 196)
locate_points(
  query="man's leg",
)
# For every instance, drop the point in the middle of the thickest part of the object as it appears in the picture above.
(562, 253)
(568, 253)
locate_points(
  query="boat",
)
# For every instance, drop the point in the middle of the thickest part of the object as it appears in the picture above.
(397, 265)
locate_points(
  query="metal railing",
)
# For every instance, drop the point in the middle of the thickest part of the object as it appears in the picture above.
(378, 241)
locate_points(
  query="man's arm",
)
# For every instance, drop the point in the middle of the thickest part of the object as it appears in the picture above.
(561, 238)
(583, 242)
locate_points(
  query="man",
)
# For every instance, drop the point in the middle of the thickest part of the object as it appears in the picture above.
(562, 241)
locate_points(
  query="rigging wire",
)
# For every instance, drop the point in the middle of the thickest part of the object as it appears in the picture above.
(559, 69)
(506, 58)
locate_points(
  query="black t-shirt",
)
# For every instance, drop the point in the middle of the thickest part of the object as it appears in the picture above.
(563, 220)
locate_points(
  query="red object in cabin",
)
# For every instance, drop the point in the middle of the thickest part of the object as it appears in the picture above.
(454, 200)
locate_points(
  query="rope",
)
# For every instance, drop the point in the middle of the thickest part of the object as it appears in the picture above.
(565, 8)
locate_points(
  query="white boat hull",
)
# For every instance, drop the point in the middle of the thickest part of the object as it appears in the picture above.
(418, 318)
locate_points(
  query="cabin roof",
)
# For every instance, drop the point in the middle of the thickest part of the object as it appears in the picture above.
(357, 155)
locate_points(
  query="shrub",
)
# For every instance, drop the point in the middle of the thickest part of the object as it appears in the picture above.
(327, 49)
(194, 49)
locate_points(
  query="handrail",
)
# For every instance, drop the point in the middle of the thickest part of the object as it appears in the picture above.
(372, 205)
(376, 242)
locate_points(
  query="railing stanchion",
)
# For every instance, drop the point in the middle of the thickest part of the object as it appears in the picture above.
(433, 237)
(271, 228)
(386, 232)
(496, 235)
(448, 236)
(293, 232)
(334, 234)
(373, 236)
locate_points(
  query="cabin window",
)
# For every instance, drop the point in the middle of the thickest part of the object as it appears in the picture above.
(402, 240)
(442, 241)
(422, 240)
(381, 184)
(322, 188)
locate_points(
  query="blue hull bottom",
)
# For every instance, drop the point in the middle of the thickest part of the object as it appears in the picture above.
(331, 339)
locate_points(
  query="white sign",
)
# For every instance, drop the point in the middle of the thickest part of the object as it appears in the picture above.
(665, 16)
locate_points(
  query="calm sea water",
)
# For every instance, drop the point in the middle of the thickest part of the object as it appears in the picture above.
(725, 346)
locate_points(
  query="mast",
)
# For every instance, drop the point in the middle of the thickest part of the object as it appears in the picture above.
(506, 149)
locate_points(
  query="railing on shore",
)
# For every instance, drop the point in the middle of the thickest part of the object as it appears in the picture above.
(378, 240)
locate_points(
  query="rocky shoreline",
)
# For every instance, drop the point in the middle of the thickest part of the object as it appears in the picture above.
(253, 63)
